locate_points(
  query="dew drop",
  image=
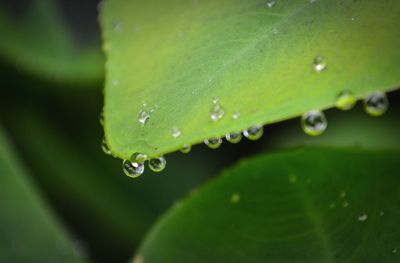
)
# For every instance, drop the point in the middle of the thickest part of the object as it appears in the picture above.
(236, 115)
(271, 3)
(144, 116)
(176, 132)
(132, 169)
(138, 158)
(213, 143)
(381, 213)
(186, 148)
(217, 111)
(394, 251)
(319, 63)
(157, 164)
(292, 179)
(235, 198)
(346, 100)
(362, 217)
(345, 204)
(234, 137)
(376, 103)
(118, 26)
(104, 147)
(314, 123)
(254, 133)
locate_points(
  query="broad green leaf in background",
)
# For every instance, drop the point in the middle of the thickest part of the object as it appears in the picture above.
(308, 205)
(29, 231)
(255, 56)
(41, 43)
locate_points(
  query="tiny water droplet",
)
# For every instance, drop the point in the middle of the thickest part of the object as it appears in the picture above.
(157, 164)
(314, 123)
(144, 116)
(394, 251)
(217, 111)
(236, 115)
(376, 103)
(138, 158)
(118, 26)
(234, 137)
(342, 194)
(381, 213)
(345, 204)
(275, 31)
(104, 147)
(319, 63)
(235, 198)
(271, 3)
(254, 133)
(346, 100)
(132, 169)
(292, 179)
(213, 143)
(363, 217)
(186, 148)
(176, 132)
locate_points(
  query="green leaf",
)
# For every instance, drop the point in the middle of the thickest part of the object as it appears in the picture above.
(176, 56)
(308, 205)
(41, 43)
(29, 231)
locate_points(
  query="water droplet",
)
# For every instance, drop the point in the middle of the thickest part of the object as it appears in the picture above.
(271, 3)
(138, 158)
(157, 164)
(235, 198)
(319, 63)
(254, 132)
(394, 251)
(176, 132)
(118, 26)
(346, 100)
(236, 115)
(292, 179)
(217, 111)
(376, 103)
(104, 147)
(132, 169)
(381, 213)
(345, 204)
(186, 148)
(101, 118)
(275, 31)
(363, 217)
(314, 123)
(144, 116)
(234, 137)
(213, 143)
(342, 194)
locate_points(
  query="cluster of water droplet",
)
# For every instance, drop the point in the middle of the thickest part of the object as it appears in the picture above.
(134, 167)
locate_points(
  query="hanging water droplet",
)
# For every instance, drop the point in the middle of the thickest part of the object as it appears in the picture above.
(213, 143)
(271, 3)
(236, 115)
(132, 169)
(254, 133)
(143, 116)
(314, 123)
(176, 132)
(234, 137)
(376, 103)
(217, 111)
(138, 158)
(319, 63)
(186, 148)
(346, 100)
(363, 217)
(157, 164)
(104, 147)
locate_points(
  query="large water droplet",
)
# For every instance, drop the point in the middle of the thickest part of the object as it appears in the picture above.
(144, 116)
(176, 132)
(234, 137)
(157, 164)
(376, 103)
(104, 147)
(362, 217)
(346, 100)
(213, 143)
(217, 111)
(271, 3)
(132, 169)
(319, 63)
(186, 148)
(314, 123)
(254, 132)
(138, 158)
